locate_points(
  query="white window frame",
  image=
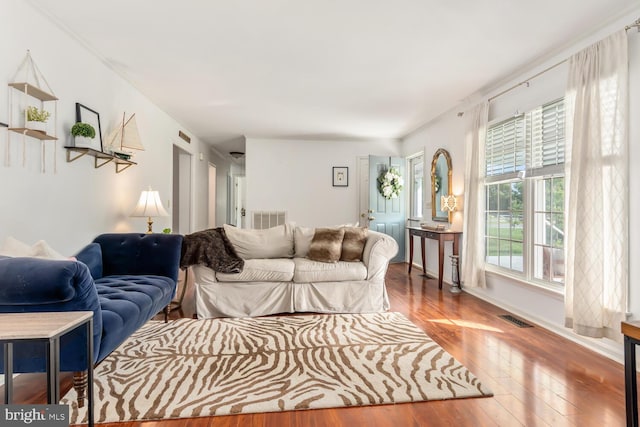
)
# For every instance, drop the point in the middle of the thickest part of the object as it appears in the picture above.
(410, 161)
(529, 176)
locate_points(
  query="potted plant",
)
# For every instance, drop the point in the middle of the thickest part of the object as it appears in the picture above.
(37, 119)
(82, 134)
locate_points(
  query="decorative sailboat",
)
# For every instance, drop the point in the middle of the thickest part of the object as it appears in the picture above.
(124, 137)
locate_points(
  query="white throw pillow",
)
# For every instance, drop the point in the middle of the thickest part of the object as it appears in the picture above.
(14, 248)
(42, 250)
(276, 242)
(302, 240)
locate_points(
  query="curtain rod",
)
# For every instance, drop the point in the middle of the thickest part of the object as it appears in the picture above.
(636, 24)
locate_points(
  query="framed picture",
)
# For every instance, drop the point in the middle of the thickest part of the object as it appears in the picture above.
(85, 114)
(340, 176)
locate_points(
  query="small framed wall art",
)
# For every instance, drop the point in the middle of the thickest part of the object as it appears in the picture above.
(85, 114)
(340, 176)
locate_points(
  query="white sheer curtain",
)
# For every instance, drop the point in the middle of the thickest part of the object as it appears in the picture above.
(596, 174)
(472, 261)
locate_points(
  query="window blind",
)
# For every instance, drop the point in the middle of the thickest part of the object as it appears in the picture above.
(505, 147)
(533, 142)
(547, 138)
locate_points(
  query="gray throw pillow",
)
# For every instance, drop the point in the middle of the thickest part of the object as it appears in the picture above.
(326, 245)
(353, 243)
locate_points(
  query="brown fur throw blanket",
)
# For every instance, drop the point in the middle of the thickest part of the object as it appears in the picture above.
(211, 248)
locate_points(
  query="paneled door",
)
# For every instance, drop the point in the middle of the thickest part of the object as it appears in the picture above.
(387, 216)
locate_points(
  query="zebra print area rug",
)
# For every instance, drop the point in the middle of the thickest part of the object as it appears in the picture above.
(194, 368)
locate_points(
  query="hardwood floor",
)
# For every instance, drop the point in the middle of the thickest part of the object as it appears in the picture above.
(538, 378)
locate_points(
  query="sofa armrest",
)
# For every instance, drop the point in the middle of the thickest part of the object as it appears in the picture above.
(378, 251)
(43, 285)
(91, 256)
(140, 254)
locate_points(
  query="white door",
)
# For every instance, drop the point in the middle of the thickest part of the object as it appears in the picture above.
(376, 212)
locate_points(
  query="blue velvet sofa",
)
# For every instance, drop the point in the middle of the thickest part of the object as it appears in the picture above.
(125, 279)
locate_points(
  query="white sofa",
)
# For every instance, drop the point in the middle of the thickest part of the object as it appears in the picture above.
(278, 277)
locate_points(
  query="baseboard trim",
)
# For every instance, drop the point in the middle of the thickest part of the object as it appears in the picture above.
(604, 347)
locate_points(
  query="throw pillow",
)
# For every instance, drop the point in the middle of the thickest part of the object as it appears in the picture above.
(353, 244)
(276, 242)
(302, 238)
(15, 248)
(326, 245)
(42, 250)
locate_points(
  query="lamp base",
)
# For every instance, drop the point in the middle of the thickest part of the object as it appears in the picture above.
(150, 225)
(455, 289)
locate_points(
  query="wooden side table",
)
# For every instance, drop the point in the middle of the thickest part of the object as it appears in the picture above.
(441, 236)
(48, 327)
(631, 332)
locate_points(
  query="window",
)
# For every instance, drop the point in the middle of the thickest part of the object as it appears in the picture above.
(524, 213)
(416, 183)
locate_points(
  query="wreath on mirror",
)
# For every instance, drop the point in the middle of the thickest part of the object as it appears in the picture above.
(390, 183)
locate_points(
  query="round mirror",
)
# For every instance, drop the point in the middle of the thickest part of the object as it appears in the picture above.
(440, 184)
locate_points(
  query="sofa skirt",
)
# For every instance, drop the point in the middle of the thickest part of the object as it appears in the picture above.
(251, 299)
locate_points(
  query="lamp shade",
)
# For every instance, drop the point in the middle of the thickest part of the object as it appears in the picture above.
(149, 205)
(448, 203)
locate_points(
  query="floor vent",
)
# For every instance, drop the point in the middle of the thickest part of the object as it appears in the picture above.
(519, 323)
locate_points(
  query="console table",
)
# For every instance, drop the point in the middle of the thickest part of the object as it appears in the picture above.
(631, 332)
(47, 327)
(441, 236)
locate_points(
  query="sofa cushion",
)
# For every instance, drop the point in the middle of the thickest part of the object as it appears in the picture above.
(261, 270)
(353, 243)
(309, 271)
(276, 242)
(127, 302)
(302, 237)
(326, 245)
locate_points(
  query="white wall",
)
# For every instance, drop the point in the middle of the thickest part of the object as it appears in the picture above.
(448, 131)
(296, 176)
(445, 132)
(72, 206)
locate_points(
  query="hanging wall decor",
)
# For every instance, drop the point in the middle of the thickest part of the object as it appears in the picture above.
(33, 110)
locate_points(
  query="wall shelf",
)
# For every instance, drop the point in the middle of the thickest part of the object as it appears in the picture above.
(100, 158)
(34, 91)
(34, 134)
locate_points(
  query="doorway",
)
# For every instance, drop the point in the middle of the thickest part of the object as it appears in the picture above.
(211, 217)
(376, 212)
(182, 189)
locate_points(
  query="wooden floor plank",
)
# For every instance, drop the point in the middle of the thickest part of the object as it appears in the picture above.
(538, 378)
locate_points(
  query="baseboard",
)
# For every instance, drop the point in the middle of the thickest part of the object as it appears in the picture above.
(604, 347)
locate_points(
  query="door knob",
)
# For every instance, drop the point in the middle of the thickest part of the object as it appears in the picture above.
(371, 218)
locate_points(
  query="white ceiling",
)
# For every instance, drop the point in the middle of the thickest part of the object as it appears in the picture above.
(320, 68)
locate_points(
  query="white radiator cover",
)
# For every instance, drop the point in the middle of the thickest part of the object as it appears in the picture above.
(267, 219)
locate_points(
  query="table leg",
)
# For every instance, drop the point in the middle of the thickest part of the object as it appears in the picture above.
(410, 252)
(456, 245)
(90, 414)
(424, 260)
(440, 262)
(53, 371)
(8, 373)
(630, 382)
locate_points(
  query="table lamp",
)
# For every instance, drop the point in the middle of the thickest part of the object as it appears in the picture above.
(149, 205)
